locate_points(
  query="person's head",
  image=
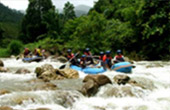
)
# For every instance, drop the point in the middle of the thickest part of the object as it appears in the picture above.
(87, 49)
(26, 48)
(83, 56)
(119, 52)
(108, 52)
(101, 53)
(69, 51)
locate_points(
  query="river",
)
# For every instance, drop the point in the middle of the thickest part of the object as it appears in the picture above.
(157, 72)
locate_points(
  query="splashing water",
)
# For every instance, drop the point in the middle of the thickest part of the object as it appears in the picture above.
(156, 97)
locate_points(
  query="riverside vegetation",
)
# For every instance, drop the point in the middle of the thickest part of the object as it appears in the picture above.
(139, 27)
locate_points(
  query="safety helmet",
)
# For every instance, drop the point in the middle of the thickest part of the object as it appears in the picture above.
(69, 50)
(83, 56)
(87, 49)
(119, 51)
(108, 52)
(101, 53)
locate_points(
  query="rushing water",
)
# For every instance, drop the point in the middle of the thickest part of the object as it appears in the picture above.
(67, 98)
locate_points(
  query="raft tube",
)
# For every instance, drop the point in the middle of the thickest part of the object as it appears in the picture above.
(88, 70)
(125, 67)
(36, 59)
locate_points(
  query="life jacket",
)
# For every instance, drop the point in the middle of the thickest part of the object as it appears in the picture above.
(119, 58)
(105, 57)
(38, 52)
(69, 56)
(87, 53)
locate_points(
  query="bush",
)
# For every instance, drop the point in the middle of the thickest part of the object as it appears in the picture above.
(15, 47)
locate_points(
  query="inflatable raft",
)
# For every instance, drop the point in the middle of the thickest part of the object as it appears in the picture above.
(88, 70)
(125, 67)
(34, 59)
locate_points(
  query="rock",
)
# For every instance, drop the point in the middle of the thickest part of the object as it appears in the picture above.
(62, 59)
(46, 86)
(120, 91)
(144, 83)
(4, 69)
(68, 73)
(121, 79)
(1, 63)
(48, 75)
(4, 92)
(92, 83)
(22, 71)
(44, 68)
(154, 65)
(5, 108)
(42, 109)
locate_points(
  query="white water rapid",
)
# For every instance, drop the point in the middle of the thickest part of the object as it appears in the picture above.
(155, 97)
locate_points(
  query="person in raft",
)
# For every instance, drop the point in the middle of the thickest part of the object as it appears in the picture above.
(27, 53)
(37, 52)
(71, 56)
(107, 59)
(88, 56)
(119, 57)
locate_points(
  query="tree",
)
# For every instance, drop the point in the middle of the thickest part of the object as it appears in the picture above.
(69, 12)
(35, 22)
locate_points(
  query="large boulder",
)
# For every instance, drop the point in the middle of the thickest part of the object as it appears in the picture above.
(68, 73)
(47, 72)
(92, 83)
(121, 79)
(22, 71)
(1, 63)
(4, 69)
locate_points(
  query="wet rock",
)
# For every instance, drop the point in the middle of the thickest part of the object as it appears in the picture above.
(143, 83)
(4, 92)
(46, 86)
(1, 63)
(120, 91)
(47, 72)
(4, 69)
(154, 65)
(22, 71)
(92, 83)
(42, 109)
(62, 59)
(68, 73)
(121, 79)
(5, 108)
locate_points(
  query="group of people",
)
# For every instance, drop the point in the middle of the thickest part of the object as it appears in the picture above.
(38, 52)
(87, 59)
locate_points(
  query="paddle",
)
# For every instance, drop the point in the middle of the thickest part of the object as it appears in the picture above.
(67, 63)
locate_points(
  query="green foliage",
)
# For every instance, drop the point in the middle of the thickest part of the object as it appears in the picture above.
(4, 52)
(69, 11)
(36, 21)
(15, 47)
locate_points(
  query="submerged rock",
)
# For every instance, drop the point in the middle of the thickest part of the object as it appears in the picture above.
(1, 63)
(4, 69)
(5, 108)
(3, 91)
(22, 71)
(143, 83)
(92, 83)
